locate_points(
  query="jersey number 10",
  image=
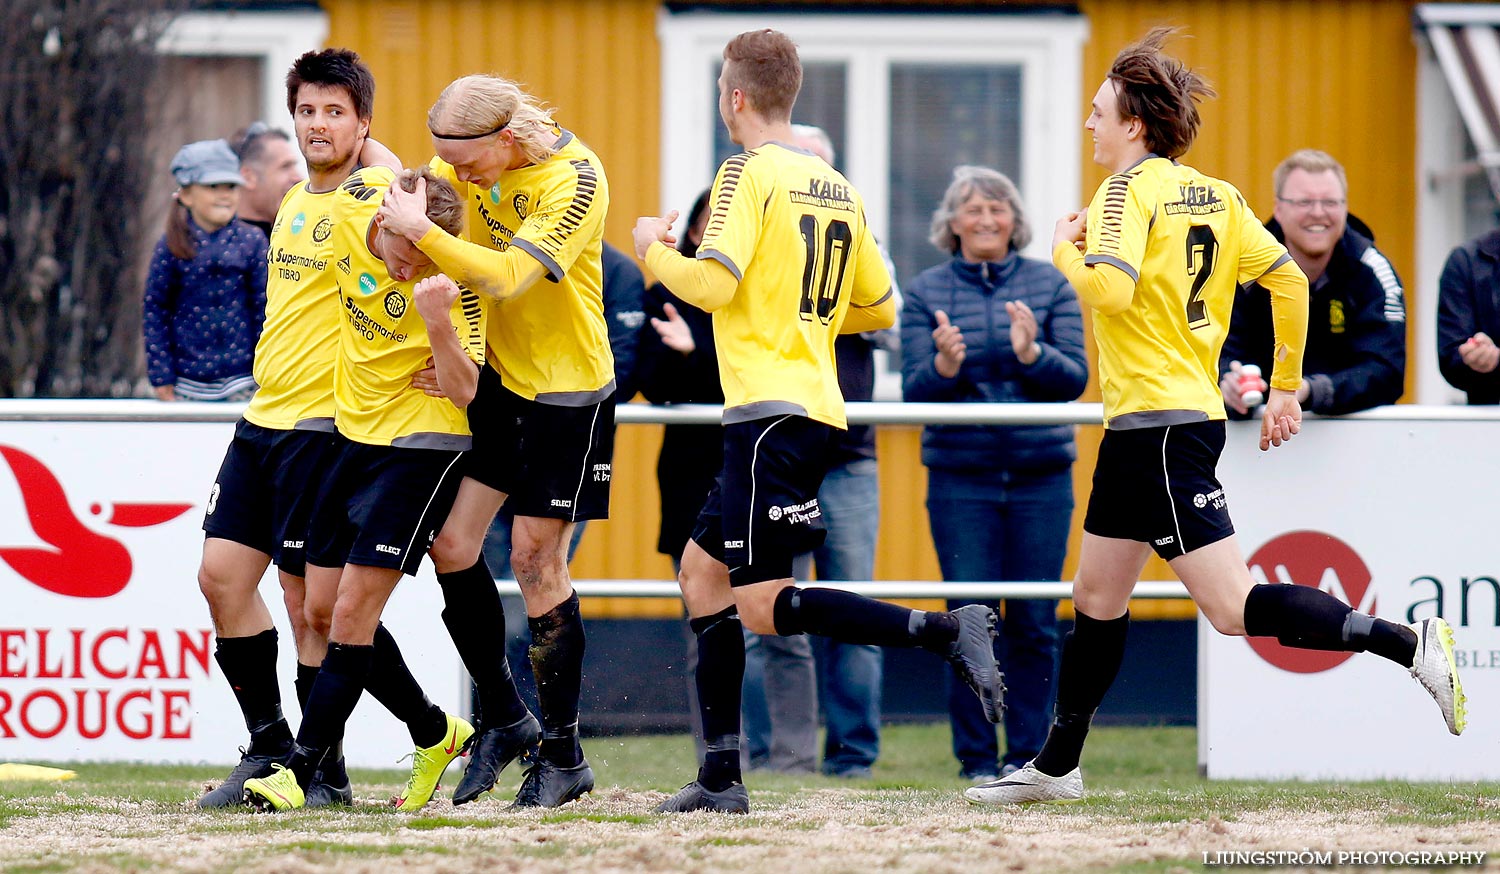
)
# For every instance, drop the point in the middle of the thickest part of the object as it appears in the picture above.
(823, 272)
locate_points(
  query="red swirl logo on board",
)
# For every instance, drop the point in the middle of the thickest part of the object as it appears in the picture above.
(1322, 561)
(76, 561)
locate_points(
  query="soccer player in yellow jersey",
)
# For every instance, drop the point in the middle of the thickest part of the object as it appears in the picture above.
(393, 475)
(1164, 247)
(543, 420)
(260, 505)
(787, 263)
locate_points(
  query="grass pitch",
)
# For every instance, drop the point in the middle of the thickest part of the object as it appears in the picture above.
(1147, 810)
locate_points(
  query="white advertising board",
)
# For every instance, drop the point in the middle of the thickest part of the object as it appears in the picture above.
(106, 648)
(1395, 518)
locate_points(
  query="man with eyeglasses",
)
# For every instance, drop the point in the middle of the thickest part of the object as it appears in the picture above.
(1355, 357)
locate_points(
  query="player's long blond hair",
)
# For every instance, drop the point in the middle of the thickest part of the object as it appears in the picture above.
(475, 105)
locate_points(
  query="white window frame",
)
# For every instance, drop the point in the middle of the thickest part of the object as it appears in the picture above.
(1047, 48)
(275, 38)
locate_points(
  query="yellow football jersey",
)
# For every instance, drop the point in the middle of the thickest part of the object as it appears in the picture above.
(1187, 240)
(382, 338)
(294, 357)
(792, 230)
(551, 343)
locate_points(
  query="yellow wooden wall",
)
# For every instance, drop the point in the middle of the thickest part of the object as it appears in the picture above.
(1338, 75)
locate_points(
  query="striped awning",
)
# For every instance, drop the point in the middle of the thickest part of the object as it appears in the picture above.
(1465, 38)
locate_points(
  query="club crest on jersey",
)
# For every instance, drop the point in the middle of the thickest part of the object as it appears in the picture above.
(322, 230)
(367, 283)
(298, 221)
(522, 203)
(395, 304)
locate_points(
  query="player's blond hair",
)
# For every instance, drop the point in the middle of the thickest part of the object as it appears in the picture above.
(472, 107)
(444, 207)
(1310, 161)
(969, 180)
(1160, 91)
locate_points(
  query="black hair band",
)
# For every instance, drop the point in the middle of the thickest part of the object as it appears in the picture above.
(502, 127)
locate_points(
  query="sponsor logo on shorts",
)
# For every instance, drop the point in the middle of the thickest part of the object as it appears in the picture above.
(601, 473)
(388, 550)
(558, 502)
(734, 544)
(796, 514)
(291, 544)
(1165, 541)
(1215, 497)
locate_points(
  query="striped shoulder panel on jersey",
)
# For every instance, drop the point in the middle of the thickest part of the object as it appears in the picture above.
(583, 200)
(356, 187)
(734, 168)
(470, 304)
(1111, 222)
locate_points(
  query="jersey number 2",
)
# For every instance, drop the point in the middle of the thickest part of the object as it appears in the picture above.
(1202, 251)
(823, 272)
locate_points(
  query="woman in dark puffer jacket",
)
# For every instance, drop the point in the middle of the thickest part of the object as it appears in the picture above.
(992, 327)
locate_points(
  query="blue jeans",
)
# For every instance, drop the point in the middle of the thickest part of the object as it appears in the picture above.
(849, 675)
(1005, 527)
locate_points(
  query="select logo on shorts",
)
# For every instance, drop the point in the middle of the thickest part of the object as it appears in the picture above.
(395, 304)
(562, 504)
(367, 283)
(796, 514)
(1215, 497)
(388, 550)
(322, 230)
(1319, 560)
(298, 221)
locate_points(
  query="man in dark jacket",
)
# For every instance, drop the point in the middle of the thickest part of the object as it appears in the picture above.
(1469, 319)
(1356, 333)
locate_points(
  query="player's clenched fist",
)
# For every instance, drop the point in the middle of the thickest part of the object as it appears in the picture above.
(434, 297)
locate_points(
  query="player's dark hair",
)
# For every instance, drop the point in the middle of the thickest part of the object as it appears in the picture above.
(179, 233)
(333, 68)
(1157, 89)
(444, 207)
(763, 64)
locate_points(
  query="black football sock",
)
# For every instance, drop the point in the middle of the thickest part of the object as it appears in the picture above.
(332, 769)
(851, 618)
(557, 662)
(329, 705)
(249, 664)
(390, 682)
(1091, 657)
(475, 618)
(720, 674)
(1308, 618)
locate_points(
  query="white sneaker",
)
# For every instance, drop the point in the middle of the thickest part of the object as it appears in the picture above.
(1029, 786)
(1435, 668)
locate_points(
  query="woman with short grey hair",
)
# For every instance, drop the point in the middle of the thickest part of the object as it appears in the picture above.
(989, 326)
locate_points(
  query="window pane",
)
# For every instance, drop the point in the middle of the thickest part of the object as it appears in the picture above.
(821, 103)
(943, 116)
